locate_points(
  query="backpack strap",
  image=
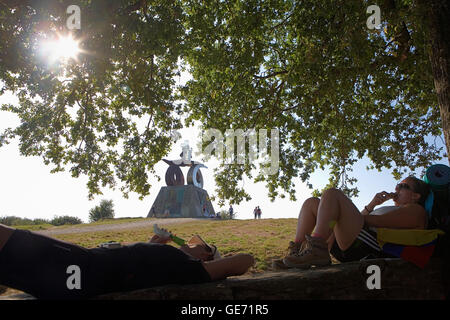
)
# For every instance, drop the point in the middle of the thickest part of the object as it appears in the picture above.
(429, 202)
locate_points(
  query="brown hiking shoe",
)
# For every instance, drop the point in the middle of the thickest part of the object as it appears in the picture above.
(314, 252)
(278, 264)
(294, 248)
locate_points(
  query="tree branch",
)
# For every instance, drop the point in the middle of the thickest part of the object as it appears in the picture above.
(270, 75)
(134, 7)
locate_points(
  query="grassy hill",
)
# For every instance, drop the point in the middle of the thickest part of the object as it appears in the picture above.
(265, 239)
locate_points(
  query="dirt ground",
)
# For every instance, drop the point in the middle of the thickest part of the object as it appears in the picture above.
(117, 226)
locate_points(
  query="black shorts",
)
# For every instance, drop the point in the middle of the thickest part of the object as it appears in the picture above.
(364, 246)
(41, 266)
(143, 265)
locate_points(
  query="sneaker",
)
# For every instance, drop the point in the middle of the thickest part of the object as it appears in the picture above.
(313, 252)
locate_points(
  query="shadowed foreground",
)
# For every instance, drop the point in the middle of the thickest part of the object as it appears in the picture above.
(399, 280)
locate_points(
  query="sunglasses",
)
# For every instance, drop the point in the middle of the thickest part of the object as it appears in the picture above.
(401, 186)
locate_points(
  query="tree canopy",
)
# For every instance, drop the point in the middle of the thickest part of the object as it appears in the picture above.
(336, 90)
(110, 113)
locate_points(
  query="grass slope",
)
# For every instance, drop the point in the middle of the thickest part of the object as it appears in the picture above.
(265, 239)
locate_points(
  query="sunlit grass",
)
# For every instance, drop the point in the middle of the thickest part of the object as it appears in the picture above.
(265, 239)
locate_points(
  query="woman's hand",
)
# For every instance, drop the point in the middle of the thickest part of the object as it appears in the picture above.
(163, 237)
(380, 198)
(158, 239)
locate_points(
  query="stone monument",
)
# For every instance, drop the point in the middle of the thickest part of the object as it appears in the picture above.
(180, 200)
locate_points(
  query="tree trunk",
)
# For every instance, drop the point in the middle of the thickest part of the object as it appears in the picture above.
(439, 26)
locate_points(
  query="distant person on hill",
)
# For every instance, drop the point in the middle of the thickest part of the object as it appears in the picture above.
(230, 212)
(334, 225)
(51, 269)
(259, 212)
(255, 212)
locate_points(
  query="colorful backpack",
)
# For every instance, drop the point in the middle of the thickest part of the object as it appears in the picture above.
(438, 203)
(418, 246)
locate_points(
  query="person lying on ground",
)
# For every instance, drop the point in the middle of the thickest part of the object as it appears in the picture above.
(48, 268)
(334, 225)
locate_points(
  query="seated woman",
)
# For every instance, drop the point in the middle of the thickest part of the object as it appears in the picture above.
(42, 266)
(334, 225)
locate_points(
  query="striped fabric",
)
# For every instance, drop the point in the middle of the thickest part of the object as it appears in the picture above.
(369, 239)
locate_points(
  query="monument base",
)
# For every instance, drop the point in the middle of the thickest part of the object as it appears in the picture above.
(185, 201)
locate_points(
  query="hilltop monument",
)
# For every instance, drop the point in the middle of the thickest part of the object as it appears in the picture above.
(179, 200)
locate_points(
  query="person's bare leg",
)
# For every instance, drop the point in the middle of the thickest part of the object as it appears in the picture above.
(337, 213)
(330, 241)
(305, 225)
(229, 266)
(307, 218)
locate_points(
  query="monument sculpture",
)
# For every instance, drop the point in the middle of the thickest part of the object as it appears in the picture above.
(178, 199)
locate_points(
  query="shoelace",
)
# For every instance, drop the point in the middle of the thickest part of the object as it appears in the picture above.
(301, 254)
(294, 248)
(307, 248)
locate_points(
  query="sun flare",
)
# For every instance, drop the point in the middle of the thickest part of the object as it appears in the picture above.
(62, 49)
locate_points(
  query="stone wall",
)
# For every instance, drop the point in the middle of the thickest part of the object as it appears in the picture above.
(399, 280)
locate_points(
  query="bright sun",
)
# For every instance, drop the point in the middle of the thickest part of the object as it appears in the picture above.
(62, 49)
